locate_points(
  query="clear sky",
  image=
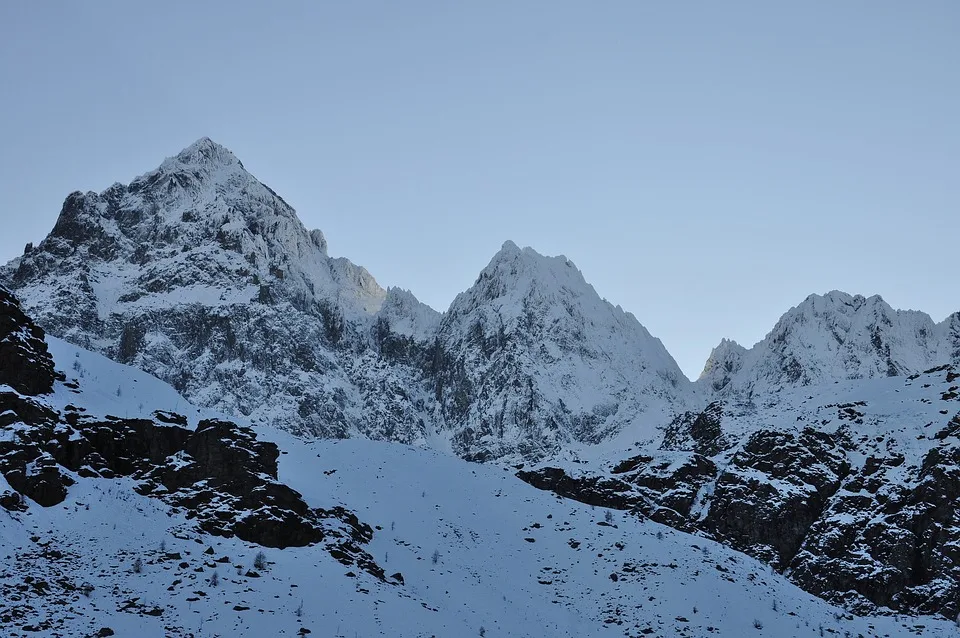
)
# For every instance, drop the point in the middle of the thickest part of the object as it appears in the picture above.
(707, 165)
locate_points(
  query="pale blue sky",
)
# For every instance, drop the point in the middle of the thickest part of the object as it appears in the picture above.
(706, 165)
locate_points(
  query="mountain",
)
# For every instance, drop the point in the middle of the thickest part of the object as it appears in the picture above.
(833, 337)
(201, 275)
(126, 511)
(532, 359)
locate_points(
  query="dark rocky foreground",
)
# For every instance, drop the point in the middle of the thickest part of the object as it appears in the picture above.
(842, 514)
(218, 473)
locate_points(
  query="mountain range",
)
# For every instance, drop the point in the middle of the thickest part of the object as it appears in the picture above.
(827, 450)
(201, 275)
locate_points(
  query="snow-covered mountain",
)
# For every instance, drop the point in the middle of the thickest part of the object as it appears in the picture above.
(120, 515)
(813, 451)
(833, 337)
(531, 358)
(198, 273)
(201, 275)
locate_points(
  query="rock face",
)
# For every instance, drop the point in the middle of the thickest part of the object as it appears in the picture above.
(202, 276)
(25, 364)
(219, 473)
(856, 501)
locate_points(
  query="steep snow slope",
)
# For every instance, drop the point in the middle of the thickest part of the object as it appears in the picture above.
(201, 275)
(479, 553)
(851, 488)
(833, 337)
(532, 358)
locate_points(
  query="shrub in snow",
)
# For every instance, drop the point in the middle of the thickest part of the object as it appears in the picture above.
(260, 561)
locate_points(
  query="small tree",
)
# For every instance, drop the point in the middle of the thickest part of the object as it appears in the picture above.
(608, 517)
(214, 579)
(435, 558)
(299, 610)
(138, 565)
(260, 561)
(757, 624)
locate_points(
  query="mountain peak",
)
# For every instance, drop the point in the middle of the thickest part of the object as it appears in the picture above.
(202, 153)
(839, 298)
(830, 337)
(527, 263)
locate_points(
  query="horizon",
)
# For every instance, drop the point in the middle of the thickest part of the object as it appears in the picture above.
(705, 170)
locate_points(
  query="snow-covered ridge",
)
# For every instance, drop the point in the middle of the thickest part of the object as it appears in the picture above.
(833, 337)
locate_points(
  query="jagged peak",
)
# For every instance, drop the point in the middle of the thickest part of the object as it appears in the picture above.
(839, 298)
(407, 315)
(202, 153)
(513, 261)
(725, 360)
(727, 345)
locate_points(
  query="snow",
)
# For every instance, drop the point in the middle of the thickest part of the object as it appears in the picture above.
(510, 559)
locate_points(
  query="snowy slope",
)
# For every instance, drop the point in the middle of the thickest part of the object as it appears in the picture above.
(480, 553)
(850, 488)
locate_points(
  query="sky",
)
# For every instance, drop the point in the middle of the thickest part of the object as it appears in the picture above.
(706, 165)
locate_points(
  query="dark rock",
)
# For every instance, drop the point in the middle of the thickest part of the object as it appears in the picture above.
(598, 491)
(25, 363)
